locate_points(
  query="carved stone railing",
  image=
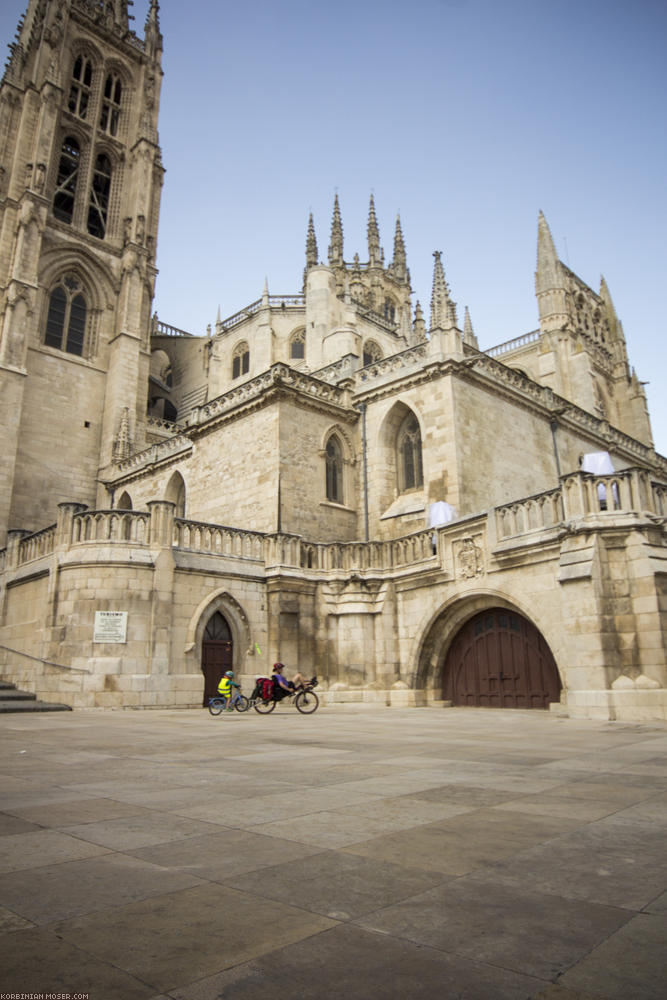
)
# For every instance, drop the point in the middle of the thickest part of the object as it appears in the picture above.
(197, 536)
(274, 302)
(588, 493)
(154, 453)
(34, 546)
(161, 329)
(513, 345)
(545, 510)
(397, 362)
(159, 425)
(361, 556)
(345, 367)
(111, 526)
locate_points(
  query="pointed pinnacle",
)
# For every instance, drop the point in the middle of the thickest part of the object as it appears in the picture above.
(373, 234)
(336, 244)
(311, 244)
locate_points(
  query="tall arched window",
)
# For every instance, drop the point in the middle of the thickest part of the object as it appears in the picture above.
(240, 360)
(372, 353)
(297, 347)
(66, 182)
(98, 206)
(79, 91)
(334, 467)
(110, 114)
(409, 457)
(66, 320)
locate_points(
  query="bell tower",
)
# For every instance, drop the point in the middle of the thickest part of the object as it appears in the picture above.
(80, 185)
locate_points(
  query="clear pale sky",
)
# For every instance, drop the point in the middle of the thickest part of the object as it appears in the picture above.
(466, 116)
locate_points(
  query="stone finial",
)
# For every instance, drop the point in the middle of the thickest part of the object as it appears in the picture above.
(122, 446)
(419, 326)
(374, 252)
(443, 309)
(311, 244)
(336, 244)
(468, 332)
(399, 263)
(547, 258)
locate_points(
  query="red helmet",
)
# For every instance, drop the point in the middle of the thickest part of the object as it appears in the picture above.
(278, 666)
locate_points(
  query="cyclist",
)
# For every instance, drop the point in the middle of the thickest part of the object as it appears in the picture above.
(225, 686)
(281, 681)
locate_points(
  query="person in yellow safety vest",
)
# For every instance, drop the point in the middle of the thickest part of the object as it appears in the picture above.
(225, 686)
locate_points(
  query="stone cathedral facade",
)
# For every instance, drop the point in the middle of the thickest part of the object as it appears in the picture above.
(327, 478)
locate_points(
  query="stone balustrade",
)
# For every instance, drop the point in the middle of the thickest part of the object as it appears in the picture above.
(536, 513)
(34, 546)
(580, 494)
(514, 345)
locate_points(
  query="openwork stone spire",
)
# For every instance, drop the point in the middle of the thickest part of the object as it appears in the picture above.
(443, 310)
(374, 252)
(419, 326)
(122, 446)
(336, 245)
(152, 36)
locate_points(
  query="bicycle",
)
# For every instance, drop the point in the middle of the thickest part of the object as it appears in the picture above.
(305, 700)
(219, 703)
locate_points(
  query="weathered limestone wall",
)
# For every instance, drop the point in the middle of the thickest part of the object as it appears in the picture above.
(57, 456)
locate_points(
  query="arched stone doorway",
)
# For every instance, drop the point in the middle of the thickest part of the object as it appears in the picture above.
(498, 659)
(217, 653)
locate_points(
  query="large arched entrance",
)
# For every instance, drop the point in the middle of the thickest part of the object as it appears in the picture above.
(217, 653)
(498, 659)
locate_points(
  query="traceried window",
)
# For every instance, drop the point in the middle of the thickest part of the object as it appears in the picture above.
(389, 310)
(334, 473)
(79, 91)
(409, 448)
(297, 347)
(372, 353)
(98, 206)
(110, 114)
(240, 360)
(66, 182)
(66, 320)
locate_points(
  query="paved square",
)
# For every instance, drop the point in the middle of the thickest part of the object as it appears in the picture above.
(360, 852)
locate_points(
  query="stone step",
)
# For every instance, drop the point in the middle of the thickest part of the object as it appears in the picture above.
(13, 700)
(31, 706)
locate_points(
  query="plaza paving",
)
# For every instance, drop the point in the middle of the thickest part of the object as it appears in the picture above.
(385, 853)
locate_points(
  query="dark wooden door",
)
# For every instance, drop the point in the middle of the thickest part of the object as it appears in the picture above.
(500, 660)
(217, 654)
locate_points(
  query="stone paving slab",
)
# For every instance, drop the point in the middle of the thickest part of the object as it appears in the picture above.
(361, 852)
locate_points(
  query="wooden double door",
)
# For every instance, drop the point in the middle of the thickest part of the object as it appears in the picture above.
(500, 660)
(217, 654)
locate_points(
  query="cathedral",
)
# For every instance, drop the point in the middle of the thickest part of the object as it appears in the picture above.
(330, 478)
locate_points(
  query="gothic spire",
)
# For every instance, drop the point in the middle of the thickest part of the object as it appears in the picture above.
(468, 332)
(419, 326)
(374, 252)
(336, 245)
(311, 244)
(443, 310)
(547, 258)
(400, 260)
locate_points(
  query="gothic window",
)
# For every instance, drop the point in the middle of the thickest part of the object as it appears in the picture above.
(79, 91)
(110, 115)
(68, 176)
(409, 448)
(389, 310)
(240, 360)
(98, 206)
(372, 353)
(334, 470)
(66, 320)
(297, 348)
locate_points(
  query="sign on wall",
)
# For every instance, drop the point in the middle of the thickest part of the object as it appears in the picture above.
(110, 626)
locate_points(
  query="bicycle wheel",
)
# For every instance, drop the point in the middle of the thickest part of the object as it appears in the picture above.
(264, 707)
(306, 702)
(216, 705)
(241, 703)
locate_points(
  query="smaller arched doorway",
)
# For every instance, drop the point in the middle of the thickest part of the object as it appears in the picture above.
(499, 659)
(217, 653)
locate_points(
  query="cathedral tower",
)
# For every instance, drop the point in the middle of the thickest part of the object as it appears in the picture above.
(80, 184)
